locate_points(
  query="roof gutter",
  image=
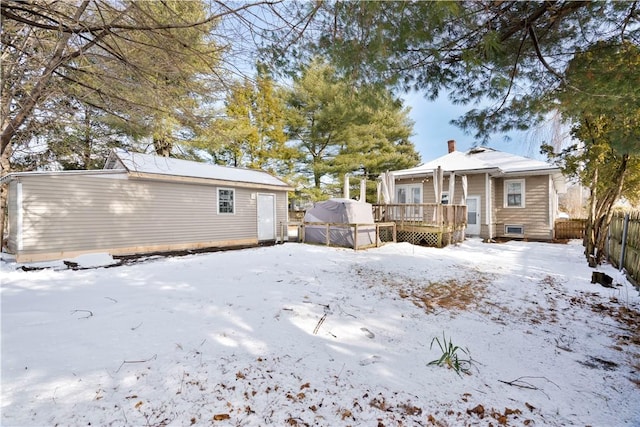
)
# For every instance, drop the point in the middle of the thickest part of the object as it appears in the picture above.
(429, 172)
(529, 172)
(13, 176)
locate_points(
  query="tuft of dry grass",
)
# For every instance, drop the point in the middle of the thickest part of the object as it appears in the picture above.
(454, 294)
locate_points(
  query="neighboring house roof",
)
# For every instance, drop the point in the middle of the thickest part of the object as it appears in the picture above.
(156, 165)
(481, 160)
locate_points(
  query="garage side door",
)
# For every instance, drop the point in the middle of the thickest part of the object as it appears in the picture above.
(266, 217)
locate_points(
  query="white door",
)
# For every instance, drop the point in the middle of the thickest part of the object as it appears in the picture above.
(473, 216)
(266, 217)
(409, 194)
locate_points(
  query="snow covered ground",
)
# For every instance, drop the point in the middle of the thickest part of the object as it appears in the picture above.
(309, 335)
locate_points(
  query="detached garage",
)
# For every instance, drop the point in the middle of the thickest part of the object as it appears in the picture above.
(141, 203)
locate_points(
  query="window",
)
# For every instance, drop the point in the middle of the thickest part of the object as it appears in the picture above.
(409, 194)
(226, 204)
(445, 198)
(514, 193)
(514, 229)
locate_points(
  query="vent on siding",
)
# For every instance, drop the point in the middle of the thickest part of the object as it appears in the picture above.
(514, 229)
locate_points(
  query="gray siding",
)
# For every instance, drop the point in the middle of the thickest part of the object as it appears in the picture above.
(534, 216)
(81, 213)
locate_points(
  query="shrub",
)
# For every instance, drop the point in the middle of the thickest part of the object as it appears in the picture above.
(450, 357)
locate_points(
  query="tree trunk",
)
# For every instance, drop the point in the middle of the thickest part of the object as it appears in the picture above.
(317, 176)
(5, 167)
(88, 140)
(606, 209)
(589, 235)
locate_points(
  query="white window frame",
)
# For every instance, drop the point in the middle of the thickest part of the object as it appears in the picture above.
(444, 199)
(233, 200)
(507, 226)
(409, 192)
(522, 193)
(415, 211)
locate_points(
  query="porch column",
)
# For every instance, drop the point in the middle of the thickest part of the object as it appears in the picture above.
(345, 189)
(488, 203)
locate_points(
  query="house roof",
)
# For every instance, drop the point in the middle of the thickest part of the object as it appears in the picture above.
(481, 160)
(166, 166)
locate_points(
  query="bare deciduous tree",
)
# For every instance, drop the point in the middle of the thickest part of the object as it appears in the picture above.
(145, 64)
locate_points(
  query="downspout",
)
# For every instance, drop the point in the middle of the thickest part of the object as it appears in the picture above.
(487, 203)
(552, 204)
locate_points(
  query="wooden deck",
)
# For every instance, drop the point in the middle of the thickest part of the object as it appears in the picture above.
(428, 224)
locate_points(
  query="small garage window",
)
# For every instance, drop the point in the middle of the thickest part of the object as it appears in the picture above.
(226, 201)
(514, 230)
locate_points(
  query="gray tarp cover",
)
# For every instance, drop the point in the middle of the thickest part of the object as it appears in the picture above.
(340, 211)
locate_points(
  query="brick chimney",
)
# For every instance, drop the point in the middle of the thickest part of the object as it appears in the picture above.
(452, 145)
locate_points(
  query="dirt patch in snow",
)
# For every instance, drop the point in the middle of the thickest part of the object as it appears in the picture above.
(464, 291)
(455, 294)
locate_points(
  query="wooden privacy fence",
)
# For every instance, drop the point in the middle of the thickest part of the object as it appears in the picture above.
(570, 228)
(623, 248)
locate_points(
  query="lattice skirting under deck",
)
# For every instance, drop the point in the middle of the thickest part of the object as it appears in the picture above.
(431, 239)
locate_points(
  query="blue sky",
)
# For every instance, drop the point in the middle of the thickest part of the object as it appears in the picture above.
(432, 130)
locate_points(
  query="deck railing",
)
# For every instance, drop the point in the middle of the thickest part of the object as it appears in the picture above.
(356, 236)
(422, 214)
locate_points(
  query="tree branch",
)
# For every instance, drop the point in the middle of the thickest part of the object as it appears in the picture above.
(527, 22)
(513, 77)
(10, 127)
(628, 19)
(536, 46)
(64, 28)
